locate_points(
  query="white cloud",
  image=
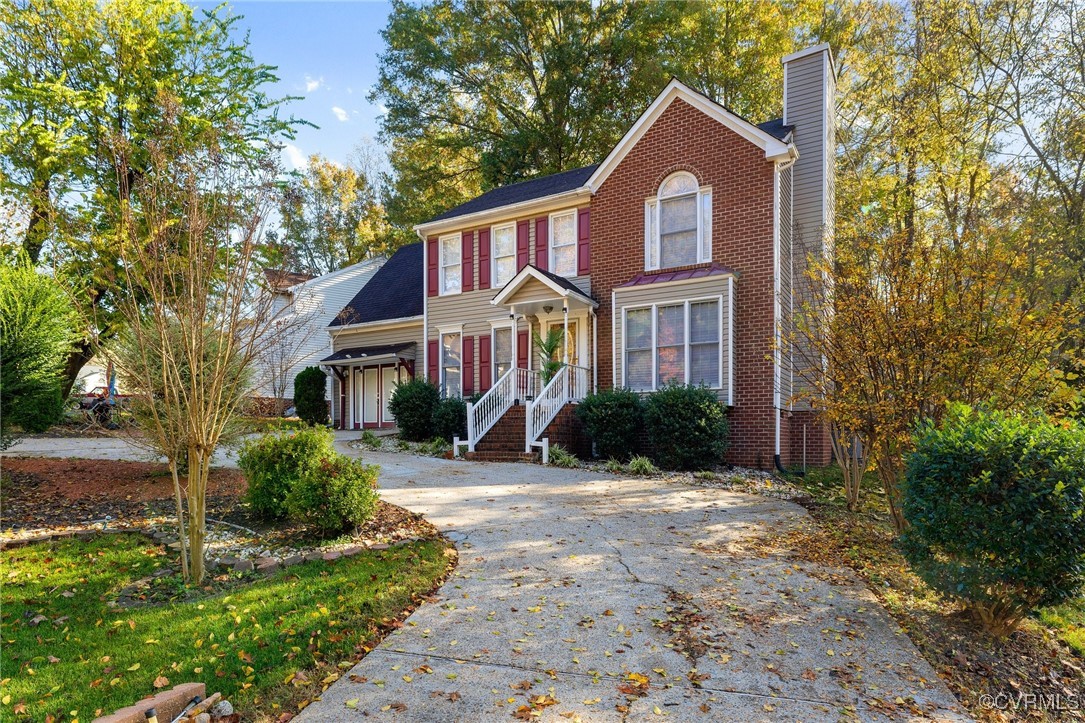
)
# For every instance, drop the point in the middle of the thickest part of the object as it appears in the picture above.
(382, 108)
(295, 157)
(341, 114)
(312, 84)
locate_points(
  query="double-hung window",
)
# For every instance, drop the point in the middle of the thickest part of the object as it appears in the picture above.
(563, 243)
(449, 251)
(451, 353)
(504, 254)
(502, 351)
(673, 342)
(678, 224)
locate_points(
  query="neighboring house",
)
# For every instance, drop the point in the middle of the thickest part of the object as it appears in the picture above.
(303, 306)
(375, 342)
(679, 257)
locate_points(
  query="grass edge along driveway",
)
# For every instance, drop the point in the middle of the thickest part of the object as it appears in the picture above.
(268, 645)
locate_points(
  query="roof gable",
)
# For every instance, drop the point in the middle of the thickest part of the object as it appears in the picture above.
(774, 147)
(559, 285)
(394, 292)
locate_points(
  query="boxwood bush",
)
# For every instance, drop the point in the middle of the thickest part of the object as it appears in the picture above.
(687, 427)
(334, 494)
(613, 419)
(996, 512)
(413, 403)
(310, 396)
(450, 419)
(273, 463)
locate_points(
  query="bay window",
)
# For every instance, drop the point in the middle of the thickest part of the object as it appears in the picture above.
(678, 224)
(674, 342)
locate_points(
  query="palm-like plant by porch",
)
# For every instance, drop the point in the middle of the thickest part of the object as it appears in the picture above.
(549, 348)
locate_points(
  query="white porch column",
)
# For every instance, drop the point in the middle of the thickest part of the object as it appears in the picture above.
(565, 337)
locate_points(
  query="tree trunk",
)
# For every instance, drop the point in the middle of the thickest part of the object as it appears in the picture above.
(891, 473)
(37, 229)
(197, 513)
(82, 353)
(180, 519)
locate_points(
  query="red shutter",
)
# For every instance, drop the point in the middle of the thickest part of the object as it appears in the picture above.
(542, 243)
(485, 369)
(433, 360)
(521, 350)
(484, 258)
(467, 257)
(523, 253)
(468, 366)
(431, 266)
(583, 243)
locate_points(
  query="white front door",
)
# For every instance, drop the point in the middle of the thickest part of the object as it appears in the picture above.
(388, 385)
(369, 396)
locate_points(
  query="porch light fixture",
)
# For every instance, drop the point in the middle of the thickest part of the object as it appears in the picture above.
(548, 308)
(565, 310)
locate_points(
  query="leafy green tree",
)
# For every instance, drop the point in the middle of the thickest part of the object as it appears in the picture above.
(37, 327)
(80, 79)
(331, 217)
(311, 395)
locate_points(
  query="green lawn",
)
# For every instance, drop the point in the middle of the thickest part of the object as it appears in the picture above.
(245, 642)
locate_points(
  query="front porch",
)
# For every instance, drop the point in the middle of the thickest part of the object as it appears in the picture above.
(538, 302)
(365, 379)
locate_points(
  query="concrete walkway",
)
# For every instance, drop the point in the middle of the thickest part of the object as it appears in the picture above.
(571, 585)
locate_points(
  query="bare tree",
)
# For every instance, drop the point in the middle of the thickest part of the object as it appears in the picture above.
(201, 319)
(291, 330)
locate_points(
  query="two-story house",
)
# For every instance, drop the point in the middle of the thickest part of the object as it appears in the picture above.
(677, 258)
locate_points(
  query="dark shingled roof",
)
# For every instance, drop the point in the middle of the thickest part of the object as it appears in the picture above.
(776, 128)
(522, 191)
(355, 353)
(281, 279)
(394, 292)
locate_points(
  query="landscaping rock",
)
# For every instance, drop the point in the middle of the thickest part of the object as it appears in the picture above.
(167, 704)
(380, 546)
(228, 562)
(293, 560)
(314, 556)
(351, 551)
(329, 556)
(267, 565)
(243, 566)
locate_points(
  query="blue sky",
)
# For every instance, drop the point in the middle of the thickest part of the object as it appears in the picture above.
(326, 52)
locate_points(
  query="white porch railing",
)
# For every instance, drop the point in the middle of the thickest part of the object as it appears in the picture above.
(569, 384)
(482, 415)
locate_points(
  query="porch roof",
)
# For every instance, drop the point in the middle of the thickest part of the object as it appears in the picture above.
(356, 354)
(561, 286)
(642, 279)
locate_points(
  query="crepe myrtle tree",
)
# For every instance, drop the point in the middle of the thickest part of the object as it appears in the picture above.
(201, 319)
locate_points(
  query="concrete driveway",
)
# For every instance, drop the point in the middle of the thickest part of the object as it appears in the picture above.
(585, 595)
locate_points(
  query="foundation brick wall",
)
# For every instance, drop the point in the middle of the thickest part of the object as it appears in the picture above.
(683, 138)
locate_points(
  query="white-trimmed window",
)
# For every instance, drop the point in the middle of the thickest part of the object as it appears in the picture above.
(563, 243)
(449, 256)
(503, 254)
(678, 223)
(503, 352)
(673, 342)
(451, 358)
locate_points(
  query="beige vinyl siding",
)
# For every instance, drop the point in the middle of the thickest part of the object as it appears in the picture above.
(662, 294)
(473, 311)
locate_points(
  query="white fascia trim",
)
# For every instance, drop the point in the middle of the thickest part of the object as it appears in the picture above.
(450, 329)
(502, 213)
(774, 148)
(530, 272)
(385, 324)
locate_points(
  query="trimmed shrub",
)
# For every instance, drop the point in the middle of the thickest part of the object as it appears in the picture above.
(334, 494)
(687, 427)
(560, 457)
(450, 419)
(995, 506)
(613, 419)
(310, 396)
(413, 403)
(370, 440)
(273, 464)
(642, 465)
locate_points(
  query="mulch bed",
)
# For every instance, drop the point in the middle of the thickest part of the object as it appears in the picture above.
(44, 494)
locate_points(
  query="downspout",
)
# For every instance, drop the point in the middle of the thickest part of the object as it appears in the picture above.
(594, 351)
(425, 308)
(776, 459)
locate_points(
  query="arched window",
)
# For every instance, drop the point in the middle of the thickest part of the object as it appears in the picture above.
(678, 223)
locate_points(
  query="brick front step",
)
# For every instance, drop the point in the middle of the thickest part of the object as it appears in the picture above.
(484, 456)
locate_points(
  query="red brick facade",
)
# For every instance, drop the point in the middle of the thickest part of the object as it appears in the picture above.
(683, 138)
